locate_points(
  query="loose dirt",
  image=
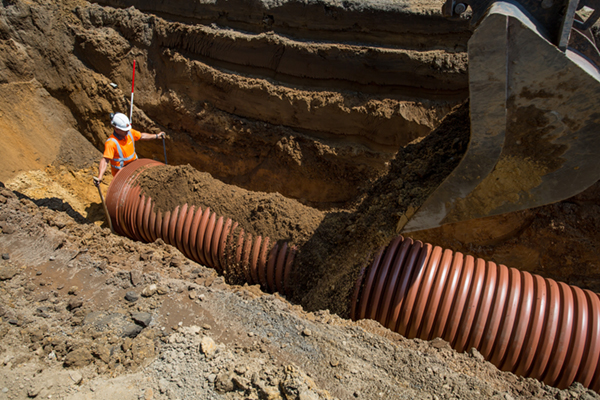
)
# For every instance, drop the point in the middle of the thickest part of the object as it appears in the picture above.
(259, 213)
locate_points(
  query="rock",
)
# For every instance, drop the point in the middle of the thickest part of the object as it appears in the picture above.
(162, 290)
(103, 353)
(208, 346)
(5, 256)
(131, 331)
(142, 318)
(224, 382)
(307, 332)
(73, 290)
(102, 322)
(242, 383)
(131, 296)
(561, 396)
(8, 272)
(76, 377)
(33, 391)
(74, 304)
(136, 277)
(149, 290)
(78, 358)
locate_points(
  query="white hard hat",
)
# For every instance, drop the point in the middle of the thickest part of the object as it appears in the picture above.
(120, 121)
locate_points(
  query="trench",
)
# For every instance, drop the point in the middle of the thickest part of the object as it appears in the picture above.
(520, 322)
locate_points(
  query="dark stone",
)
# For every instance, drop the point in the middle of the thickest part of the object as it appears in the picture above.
(142, 318)
(132, 296)
(131, 331)
(6, 256)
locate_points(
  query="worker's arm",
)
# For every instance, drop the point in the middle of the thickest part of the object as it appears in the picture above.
(101, 169)
(150, 136)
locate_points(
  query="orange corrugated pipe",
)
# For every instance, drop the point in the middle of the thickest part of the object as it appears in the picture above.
(199, 234)
(520, 322)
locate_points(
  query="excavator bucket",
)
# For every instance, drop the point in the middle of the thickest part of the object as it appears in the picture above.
(535, 119)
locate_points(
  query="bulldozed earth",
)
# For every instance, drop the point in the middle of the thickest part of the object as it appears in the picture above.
(308, 121)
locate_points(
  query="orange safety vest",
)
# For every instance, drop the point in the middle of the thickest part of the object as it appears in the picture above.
(121, 152)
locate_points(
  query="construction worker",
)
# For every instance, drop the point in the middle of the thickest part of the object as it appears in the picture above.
(119, 148)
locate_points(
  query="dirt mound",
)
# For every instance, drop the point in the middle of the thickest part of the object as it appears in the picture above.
(266, 214)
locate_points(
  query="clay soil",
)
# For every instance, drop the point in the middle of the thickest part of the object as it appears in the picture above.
(86, 314)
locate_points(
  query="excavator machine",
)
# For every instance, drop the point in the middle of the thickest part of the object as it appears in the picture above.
(534, 82)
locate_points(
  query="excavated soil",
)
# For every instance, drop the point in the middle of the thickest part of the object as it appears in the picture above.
(320, 114)
(259, 213)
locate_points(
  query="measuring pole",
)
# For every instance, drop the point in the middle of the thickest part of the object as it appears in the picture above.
(132, 85)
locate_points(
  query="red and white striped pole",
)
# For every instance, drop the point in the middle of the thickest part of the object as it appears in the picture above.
(132, 86)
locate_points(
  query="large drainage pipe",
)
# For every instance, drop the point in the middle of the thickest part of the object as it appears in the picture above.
(520, 322)
(200, 235)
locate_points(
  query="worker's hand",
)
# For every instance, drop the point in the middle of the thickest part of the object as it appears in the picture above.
(160, 135)
(97, 181)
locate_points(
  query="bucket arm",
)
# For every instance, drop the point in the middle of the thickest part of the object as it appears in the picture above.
(534, 86)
